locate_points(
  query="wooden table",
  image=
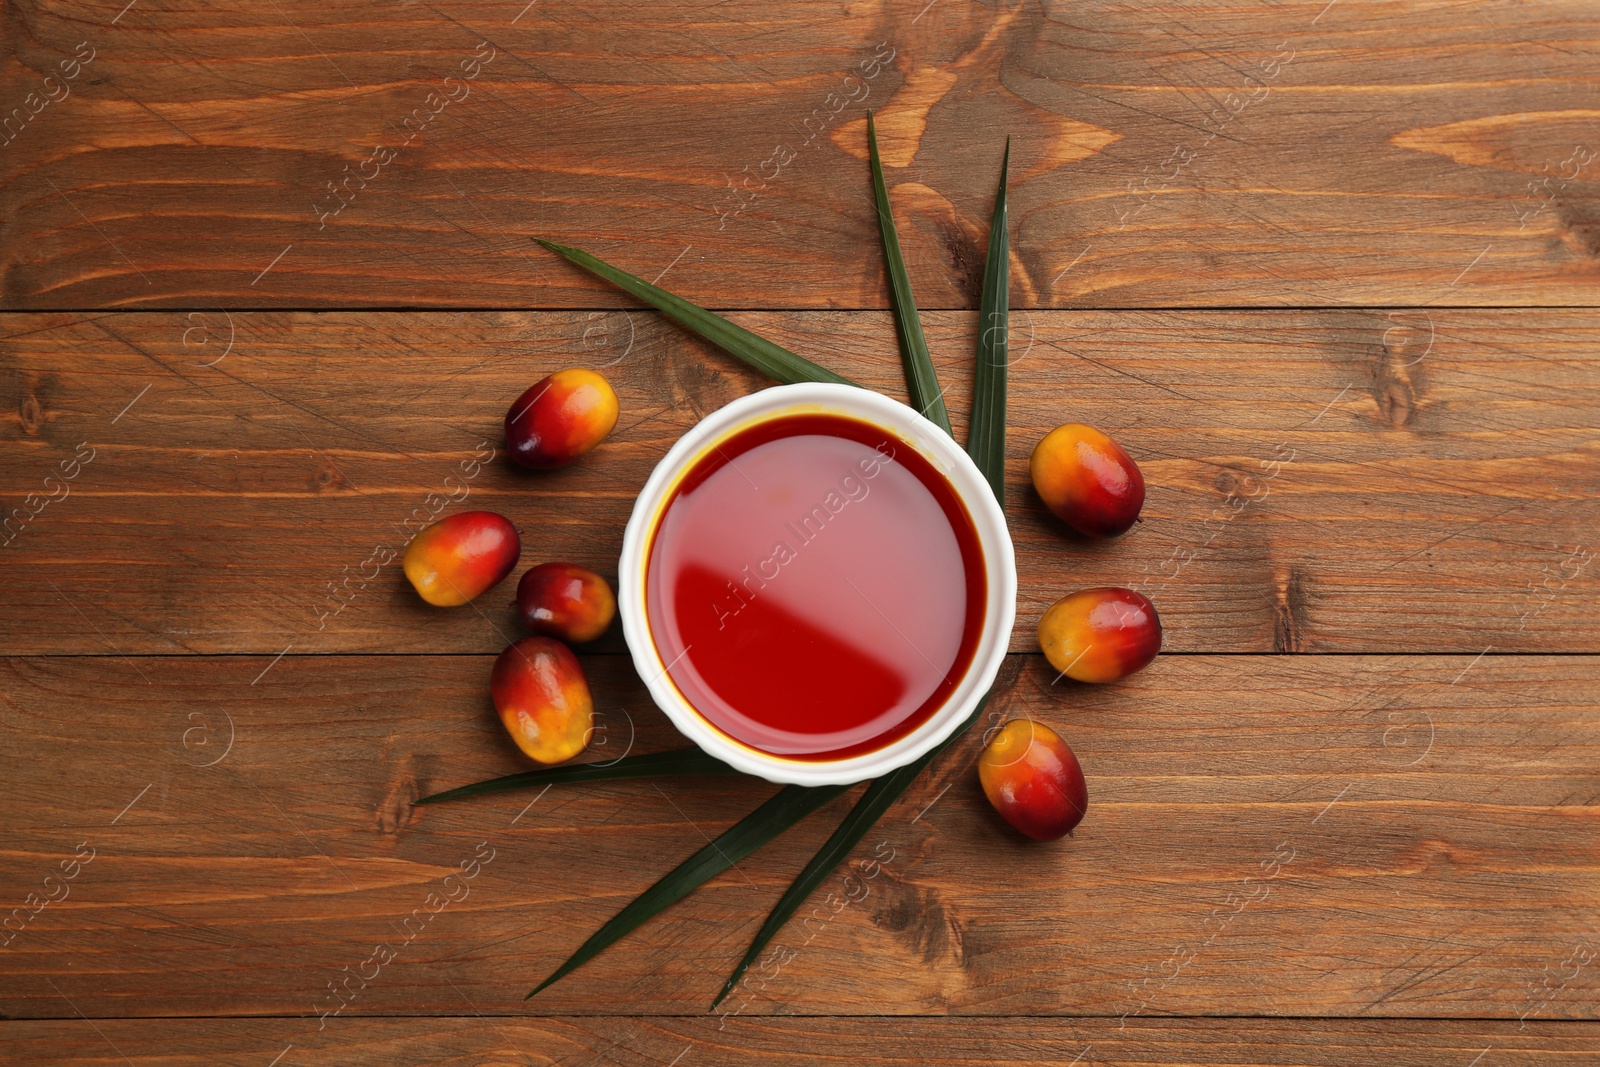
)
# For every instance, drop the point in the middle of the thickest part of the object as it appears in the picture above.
(1328, 270)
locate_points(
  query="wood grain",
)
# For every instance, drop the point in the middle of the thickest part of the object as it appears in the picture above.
(1308, 262)
(1361, 480)
(1295, 154)
(1298, 836)
(945, 1042)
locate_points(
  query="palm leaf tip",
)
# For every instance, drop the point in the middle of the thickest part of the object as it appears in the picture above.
(787, 807)
(921, 380)
(773, 360)
(682, 761)
(986, 442)
(878, 798)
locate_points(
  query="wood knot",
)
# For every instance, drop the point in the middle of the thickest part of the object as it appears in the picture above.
(1580, 229)
(327, 477)
(966, 262)
(1005, 680)
(395, 811)
(1396, 367)
(697, 385)
(1435, 857)
(1231, 483)
(1289, 630)
(31, 414)
(920, 917)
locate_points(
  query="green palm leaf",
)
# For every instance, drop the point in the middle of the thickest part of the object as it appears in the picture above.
(678, 761)
(789, 806)
(986, 446)
(923, 383)
(986, 440)
(880, 795)
(775, 361)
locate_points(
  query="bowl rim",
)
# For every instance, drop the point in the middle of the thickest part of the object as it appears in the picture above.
(917, 432)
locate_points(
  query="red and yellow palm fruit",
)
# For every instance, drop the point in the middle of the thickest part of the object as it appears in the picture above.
(456, 558)
(1086, 478)
(567, 601)
(543, 699)
(1101, 634)
(1033, 780)
(560, 419)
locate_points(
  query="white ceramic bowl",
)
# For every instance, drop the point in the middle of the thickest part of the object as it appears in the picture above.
(949, 460)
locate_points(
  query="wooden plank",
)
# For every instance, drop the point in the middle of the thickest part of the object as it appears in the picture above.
(1292, 154)
(1335, 481)
(447, 1042)
(1296, 836)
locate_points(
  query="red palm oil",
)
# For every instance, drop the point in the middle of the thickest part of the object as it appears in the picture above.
(815, 588)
